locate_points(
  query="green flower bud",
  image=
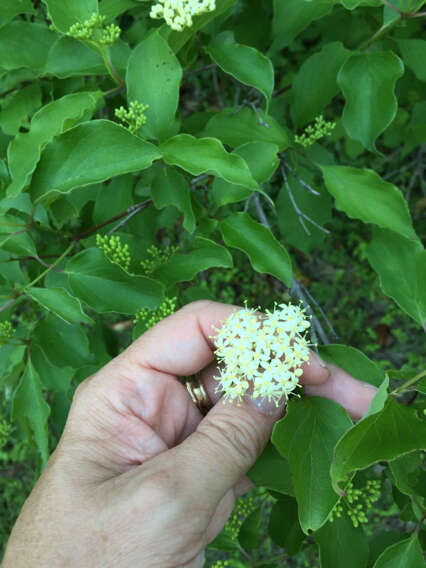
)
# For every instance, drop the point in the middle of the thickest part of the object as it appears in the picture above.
(114, 250)
(315, 132)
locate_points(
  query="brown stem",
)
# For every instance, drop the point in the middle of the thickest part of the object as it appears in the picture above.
(138, 207)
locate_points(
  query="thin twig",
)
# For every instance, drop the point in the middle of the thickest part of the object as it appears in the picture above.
(300, 180)
(200, 70)
(327, 321)
(7, 304)
(138, 206)
(260, 212)
(316, 328)
(299, 212)
(125, 220)
(217, 88)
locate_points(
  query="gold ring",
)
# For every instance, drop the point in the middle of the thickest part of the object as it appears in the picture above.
(198, 394)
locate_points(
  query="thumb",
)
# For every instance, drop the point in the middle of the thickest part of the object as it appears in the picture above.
(225, 445)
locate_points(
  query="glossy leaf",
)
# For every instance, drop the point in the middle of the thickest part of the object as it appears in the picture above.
(171, 188)
(362, 194)
(354, 362)
(237, 126)
(53, 378)
(261, 158)
(15, 236)
(284, 527)
(25, 44)
(409, 475)
(272, 471)
(320, 69)
(293, 16)
(9, 9)
(245, 63)
(25, 149)
(367, 81)
(184, 267)
(306, 437)
(384, 435)
(107, 287)
(414, 55)
(406, 553)
(266, 254)
(340, 539)
(153, 78)
(401, 266)
(61, 303)
(29, 406)
(68, 57)
(64, 345)
(206, 155)
(64, 14)
(89, 153)
(249, 534)
(18, 107)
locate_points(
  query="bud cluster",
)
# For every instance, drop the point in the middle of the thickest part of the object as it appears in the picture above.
(243, 508)
(6, 330)
(134, 116)
(314, 132)
(94, 30)
(358, 502)
(178, 14)
(158, 257)
(115, 251)
(265, 349)
(151, 317)
(220, 564)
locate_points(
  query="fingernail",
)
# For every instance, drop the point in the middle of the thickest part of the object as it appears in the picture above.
(316, 359)
(269, 407)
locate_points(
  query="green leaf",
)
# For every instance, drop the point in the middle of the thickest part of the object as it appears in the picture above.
(354, 362)
(266, 254)
(352, 4)
(64, 14)
(250, 530)
(401, 266)
(340, 539)
(409, 475)
(153, 77)
(261, 158)
(25, 44)
(68, 57)
(25, 149)
(237, 126)
(317, 207)
(15, 237)
(9, 9)
(64, 345)
(29, 406)
(362, 194)
(246, 64)
(367, 82)
(206, 155)
(293, 16)
(89, 153)
(53, 378)
(107, 287)
(61, 303)
(18, 107)
(404, 554)
(224, 192)
(184, 267)
(116, 196)
(171, 188)
(320, 69)
(272, 471)
(414, 55)
(113, 8)
(284, 527)
(385, 435)
(306, 436)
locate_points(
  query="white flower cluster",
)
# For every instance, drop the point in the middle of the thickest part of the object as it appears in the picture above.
(178, 14)
(267, 349)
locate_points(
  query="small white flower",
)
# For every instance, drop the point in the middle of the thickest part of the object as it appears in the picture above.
(268, 351)
(178, 13)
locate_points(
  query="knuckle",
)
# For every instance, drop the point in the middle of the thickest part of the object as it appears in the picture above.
(236, 437)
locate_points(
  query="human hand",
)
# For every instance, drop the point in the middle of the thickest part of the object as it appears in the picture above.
(139, 477)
